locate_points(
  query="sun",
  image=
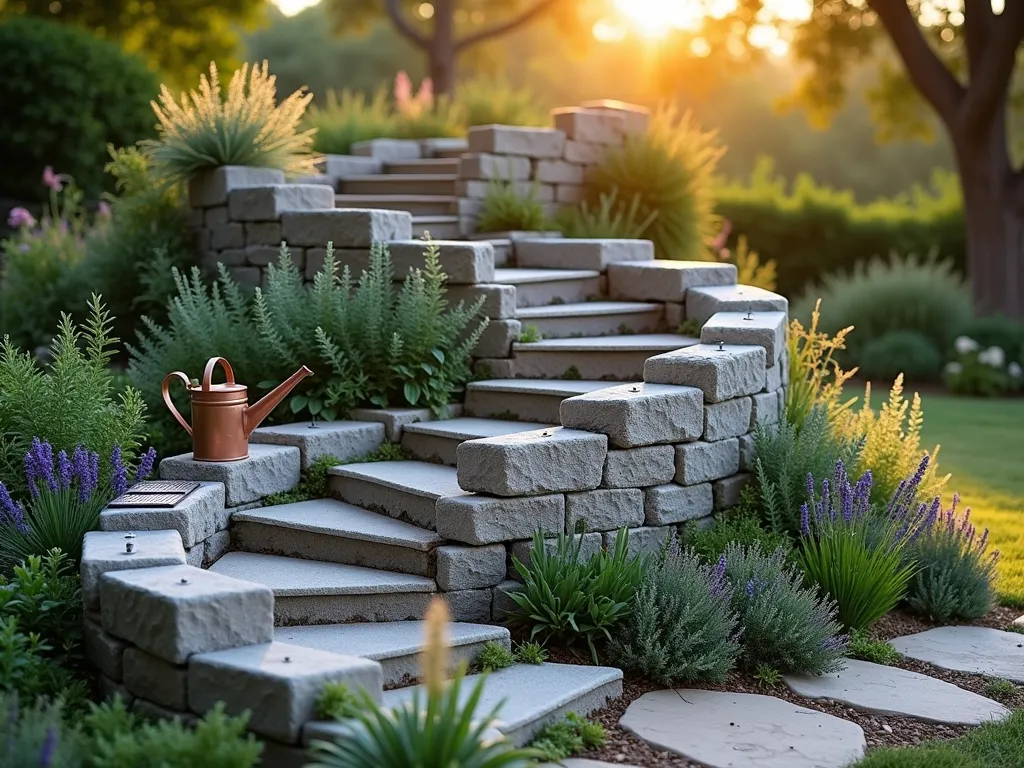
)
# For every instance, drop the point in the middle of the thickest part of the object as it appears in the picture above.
(655, 19)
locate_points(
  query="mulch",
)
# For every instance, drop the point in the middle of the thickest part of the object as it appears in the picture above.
(879, 730)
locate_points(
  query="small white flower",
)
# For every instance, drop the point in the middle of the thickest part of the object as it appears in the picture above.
(964, 345)
(993, 356)
(1014, 370)
(954, 369)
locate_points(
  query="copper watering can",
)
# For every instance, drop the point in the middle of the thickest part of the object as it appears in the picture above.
(222, 418)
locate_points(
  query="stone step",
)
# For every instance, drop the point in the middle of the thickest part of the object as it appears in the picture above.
(438, 440)
(610, 358)
(593, 318)
(444, 147)
(406, 490)
(417, 205)
(430, 166)
(400, 184)
(530, 400)
(313, 592)
(396, 645)
(333, 531)
(533, 696)
(439, 227)
(543, 287)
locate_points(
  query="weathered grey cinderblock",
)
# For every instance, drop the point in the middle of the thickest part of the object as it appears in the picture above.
(583, 152)
(558, 172)
(702, 303)
(671, 503)
(195, 517)
(211, 187)
(765, 409)
(269, 202)
(215, 546)
(639, 467)
(603, 509)
(633, 415)
(730, 418)
(230, 235)
(590, 125)
(501, 604)
(727, 491)
(345, 227)
(773, 378)
(339, 166)
(175, 611)
(748, 453)
(499, 300)
(568, 253)
(269, 469)
(589, 544)
(766, 329)
(553, 460)
(513, 140)
(702, 462)
(470, 567)
(497, 338)
(155, 679)
(643, 542)
(104, 551)
(463, 262)
(263, 233)
(342, 439)
(721, 372)
(486, 519)
(469, 604)
(665, 280)
(104, 650)
(277, 682)
(486, 167)
(387, 150)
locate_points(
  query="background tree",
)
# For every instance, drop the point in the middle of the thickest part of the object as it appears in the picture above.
(179, 38)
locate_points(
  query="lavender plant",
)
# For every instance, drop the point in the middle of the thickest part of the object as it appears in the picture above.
(956, 574)
(682, 627)
(786, 626)
(65, 497)
(854, 556)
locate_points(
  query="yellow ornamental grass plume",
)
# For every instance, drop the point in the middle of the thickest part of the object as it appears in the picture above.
(815, 377)
(434, 660)
(248, 128)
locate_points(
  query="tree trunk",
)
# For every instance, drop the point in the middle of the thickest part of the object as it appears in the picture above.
(994, 216)
(441, 53)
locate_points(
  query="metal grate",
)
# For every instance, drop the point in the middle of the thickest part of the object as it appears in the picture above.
(155, 493)
(164, 486)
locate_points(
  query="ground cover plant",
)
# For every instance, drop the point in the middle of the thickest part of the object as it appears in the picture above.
(506, 208)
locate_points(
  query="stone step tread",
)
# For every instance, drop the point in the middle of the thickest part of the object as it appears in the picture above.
(338, 518)
(514, 276)
(469, 428)
(548, 387)
(420, 478)
(639, 342)
(435, 164)
(383, 640)
(399, 178)
(344, 201)
(294, 577)
(439, 218)
(587, 309)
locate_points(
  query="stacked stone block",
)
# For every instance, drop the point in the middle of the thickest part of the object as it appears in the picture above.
(549, 163)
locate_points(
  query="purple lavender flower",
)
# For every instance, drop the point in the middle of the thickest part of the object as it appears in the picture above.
(94, 471)
(119, 473)
(751, 588)
(64, 470)
(805, 520)
(718, 574)
(43, 462)
(835, 643)
(49, 748)
(145, 465)
(12, 510)
(31, 474)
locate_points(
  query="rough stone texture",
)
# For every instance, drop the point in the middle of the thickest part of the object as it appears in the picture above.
(215, 546)
(477, 190)
(702, 462)
(153, 712)
(194, 556)
(671, 503)
(105, 651)
(978, 650)
(262, 255)
(773, 378)
(589, 543)
(345, 227)
(263, 233)
(730, 418)
(590, 125)
(639, 467)
(554, 460)
(674, 315)
(497, 338)
(765, 329)
(512, 140)
(388, 150)
(343, 439)
(558, 172)
(743, 730)
(558, 253)
(501, 604)
(486, 167)
(214, 217)
(727, 491)
(764, 409)
(104, 551)
(893, 691)
(172, 619)
(702, 303)
(665, 280)
(209, 188)
(463, 262)
(230, 235)
(394, 419)
(748, 453)
(269, 469)
(636, 117)
(634, 415)
(277, 682)
(339, 166)
(604, 510)
(195, 518)
(642, 541)
(499, 300)
(721, 373)
(469, 604)
(470, 567)
(569, 193)
(269, 202)
(477, 519)
(109, 689)
(162, 683)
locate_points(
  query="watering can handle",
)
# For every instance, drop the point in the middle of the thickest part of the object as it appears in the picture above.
(208, 372)
(167, 397)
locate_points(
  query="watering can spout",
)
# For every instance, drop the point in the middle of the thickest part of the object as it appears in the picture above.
(257, 412)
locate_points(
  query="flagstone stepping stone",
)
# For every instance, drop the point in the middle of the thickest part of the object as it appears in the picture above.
(743, 730)
(979, 650)
(894, 691)
(576, 762)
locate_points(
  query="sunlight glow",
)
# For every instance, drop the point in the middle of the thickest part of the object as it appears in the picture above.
(655, 19)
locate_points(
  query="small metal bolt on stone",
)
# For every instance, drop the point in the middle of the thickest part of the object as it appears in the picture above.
(634, 389)
(287, 659)
(721, 346)
(750, 315)
(129, 547)
(545, 433)
(183, 580)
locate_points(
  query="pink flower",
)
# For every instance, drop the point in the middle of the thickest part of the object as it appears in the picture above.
(425, 97)
(51, 179)
(19, 217)
(103, 211)
(723, 236)
(403, 90)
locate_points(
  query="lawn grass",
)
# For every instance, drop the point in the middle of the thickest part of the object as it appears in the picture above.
(982, 445)
(990, 746)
